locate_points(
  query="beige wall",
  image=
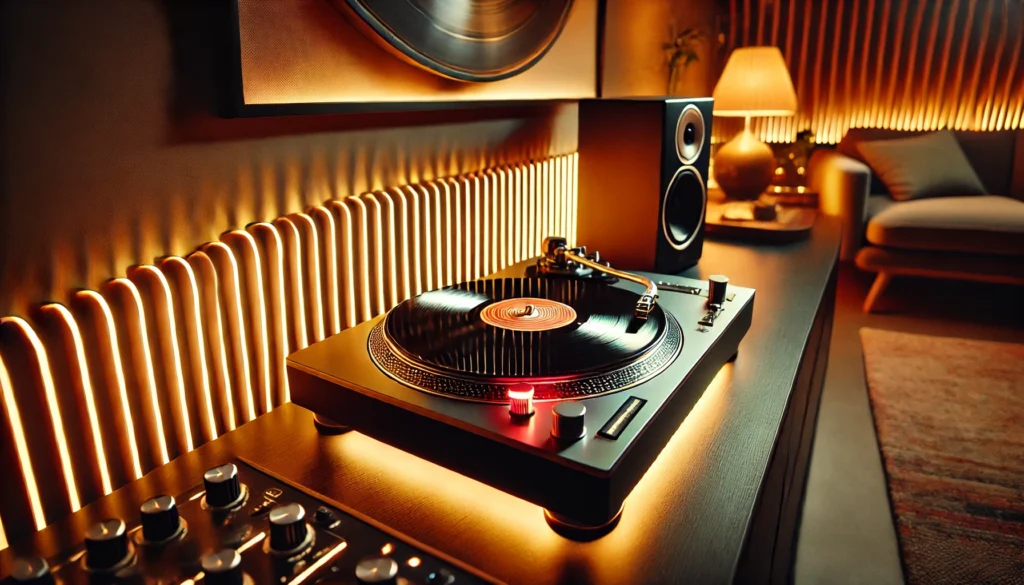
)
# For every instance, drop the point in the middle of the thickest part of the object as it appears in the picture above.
(634, 59)
(111, 155)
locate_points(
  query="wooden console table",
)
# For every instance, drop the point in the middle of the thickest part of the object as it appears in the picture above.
(719, 505)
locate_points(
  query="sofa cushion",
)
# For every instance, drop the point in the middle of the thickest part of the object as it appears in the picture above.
(985, 224)
(932, 165)
(991, 154)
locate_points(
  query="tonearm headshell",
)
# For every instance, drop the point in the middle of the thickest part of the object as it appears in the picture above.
(561, 260)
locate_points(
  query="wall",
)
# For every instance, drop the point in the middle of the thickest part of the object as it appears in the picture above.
(634, 58)
(112, 153)
(903, 64)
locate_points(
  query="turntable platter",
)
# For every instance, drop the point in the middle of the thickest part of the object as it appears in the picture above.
(567, 337)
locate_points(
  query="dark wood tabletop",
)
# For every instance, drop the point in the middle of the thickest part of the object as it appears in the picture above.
(687, 521)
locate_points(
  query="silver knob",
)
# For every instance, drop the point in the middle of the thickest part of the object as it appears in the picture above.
(106, 545)
(377, 570)
(223, 488)
(33, 570)
(567, 420)
(288, 530)
(223, 567)
(160, 519)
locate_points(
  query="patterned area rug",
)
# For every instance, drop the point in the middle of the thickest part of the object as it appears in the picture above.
(950, 420)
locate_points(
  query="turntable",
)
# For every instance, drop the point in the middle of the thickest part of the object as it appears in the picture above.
(560, 387)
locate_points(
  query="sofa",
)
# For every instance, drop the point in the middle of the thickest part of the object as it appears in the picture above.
(975, 237)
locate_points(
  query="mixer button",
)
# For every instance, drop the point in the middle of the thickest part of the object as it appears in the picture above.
(289, 532)
(223, 567)
(106, 546)
(377, 570)
(440, 577)
(34, 570)
(223, 488)
(324, 516)
(160, 519)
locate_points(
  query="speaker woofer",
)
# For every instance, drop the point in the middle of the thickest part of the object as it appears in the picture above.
(689, 134)
(682, 208)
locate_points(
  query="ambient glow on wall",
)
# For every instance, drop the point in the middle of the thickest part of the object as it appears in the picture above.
(900, 64)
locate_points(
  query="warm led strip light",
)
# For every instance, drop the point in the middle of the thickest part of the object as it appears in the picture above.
(24, 461)
(293, 280)
(319, 563)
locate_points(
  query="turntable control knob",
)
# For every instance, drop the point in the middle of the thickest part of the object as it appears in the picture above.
(717, 285)
(223, 567)
(567, 420)
(288, 529)
(33, 570)
(377, 570)
(520, 400)
(160, 519)
(106, 545)
(223, 488)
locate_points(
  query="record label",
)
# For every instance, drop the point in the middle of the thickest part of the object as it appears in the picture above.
(528, 314)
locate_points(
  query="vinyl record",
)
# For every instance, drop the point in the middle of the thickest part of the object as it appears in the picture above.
(471, 40)
(561, 334)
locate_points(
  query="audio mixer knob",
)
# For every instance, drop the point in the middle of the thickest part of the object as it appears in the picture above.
(160, 519)
(377, 570)
(288, 530)
(223, 567)
(106, 545)
(223, 488)
(33, 570)
(567, 420)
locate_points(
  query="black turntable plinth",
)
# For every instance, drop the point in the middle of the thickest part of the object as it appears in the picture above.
(558, 390)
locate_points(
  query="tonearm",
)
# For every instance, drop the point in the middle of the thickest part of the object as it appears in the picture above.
(560, 259)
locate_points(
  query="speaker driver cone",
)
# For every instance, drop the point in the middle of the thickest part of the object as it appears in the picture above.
(689, 134)
(682, 209)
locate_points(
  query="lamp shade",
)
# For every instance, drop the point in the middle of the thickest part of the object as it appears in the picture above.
(755, 82)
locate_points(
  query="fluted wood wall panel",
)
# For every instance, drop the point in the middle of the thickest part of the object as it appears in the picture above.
(901, 64)
(121, 380)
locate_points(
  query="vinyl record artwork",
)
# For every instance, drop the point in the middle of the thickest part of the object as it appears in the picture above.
(475, 40)
(320, 56)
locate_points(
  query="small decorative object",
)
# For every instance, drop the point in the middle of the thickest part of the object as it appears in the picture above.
(681, 51)
(791, 161)
(755, 82)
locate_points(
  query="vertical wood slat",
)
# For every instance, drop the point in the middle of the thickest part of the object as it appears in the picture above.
(103, 352)
(192, 346)
(73, 384)
(899, 64)
(185, 350)
(160, 335)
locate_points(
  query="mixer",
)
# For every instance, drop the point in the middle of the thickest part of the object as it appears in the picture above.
(242, 526)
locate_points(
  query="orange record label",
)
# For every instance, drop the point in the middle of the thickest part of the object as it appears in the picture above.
(528, 314)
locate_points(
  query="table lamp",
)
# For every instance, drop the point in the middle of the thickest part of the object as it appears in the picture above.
(755, 82)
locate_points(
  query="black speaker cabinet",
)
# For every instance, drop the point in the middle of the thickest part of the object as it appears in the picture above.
(643, 171)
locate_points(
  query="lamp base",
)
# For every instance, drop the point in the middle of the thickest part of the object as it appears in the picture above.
(744, 166)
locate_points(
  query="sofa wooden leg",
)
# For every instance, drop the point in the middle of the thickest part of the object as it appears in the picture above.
(877, 288)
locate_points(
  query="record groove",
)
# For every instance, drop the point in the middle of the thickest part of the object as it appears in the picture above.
(438, 342)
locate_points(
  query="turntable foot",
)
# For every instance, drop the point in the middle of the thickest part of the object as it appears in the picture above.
(575, 530)
(326, 426)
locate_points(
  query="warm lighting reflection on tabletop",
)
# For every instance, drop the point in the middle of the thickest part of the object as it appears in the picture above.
(499, 523)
